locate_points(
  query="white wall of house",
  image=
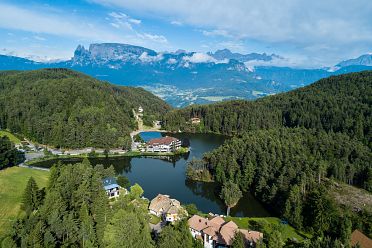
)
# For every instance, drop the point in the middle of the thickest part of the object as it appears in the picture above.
(208, 242)
(194, 233)
(111, 193)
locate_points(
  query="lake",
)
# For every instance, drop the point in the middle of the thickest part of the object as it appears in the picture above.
(167, 176)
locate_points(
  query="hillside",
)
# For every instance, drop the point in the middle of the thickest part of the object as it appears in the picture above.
(64, 108)
(285, 148)
(338, 103)
(183, 78)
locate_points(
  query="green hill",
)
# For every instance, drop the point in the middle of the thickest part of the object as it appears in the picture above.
(338, 104)
(286, 149)
(64, 108)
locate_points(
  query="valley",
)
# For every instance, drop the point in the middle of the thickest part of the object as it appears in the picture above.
(184, 78)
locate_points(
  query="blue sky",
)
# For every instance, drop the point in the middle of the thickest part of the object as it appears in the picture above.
(306, 33)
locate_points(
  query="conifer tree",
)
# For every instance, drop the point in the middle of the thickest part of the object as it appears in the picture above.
(30, 199)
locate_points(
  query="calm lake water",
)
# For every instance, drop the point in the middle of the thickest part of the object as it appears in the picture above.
(167, 176)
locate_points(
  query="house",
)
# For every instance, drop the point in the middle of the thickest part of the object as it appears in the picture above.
(164, 144)
(195, 120)
(169, 209)
(111, 187)
(217, 232)
(140, 110)
(357, 237)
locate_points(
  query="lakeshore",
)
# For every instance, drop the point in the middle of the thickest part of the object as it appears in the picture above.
(108, 155)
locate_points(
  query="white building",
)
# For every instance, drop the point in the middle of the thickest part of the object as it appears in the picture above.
(164, 144)
(111, 187)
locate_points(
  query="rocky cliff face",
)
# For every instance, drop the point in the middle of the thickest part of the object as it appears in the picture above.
(108, 52)
(365, 60)
(189, 77)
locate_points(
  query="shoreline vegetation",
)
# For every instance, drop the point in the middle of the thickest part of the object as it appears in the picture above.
(196, 170)
(181, 151)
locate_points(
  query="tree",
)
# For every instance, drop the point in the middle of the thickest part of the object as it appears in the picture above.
(191, 209)
(126, 230)
(319, 210)
(8, 243)
(293, 207)
(274, 239)
(123, 181)
(238, 241)
(136, 191)
(231, 194)
(30, 199)
(177, 236)
(9, 155)
(87, 232)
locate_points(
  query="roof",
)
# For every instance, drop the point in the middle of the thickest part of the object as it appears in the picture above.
(111, 186)
(358, 237)
(253, 236)
(109, 183)
(198, 223)
(167, 140)
(221, 231)
(162, 203)
(227, 232)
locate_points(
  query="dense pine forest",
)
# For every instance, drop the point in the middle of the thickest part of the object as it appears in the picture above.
(339, 104)
(289, 150)
(64, 108)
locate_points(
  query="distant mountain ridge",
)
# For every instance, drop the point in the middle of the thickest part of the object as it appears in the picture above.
(365, 60)
(182, 78)
(227, 54)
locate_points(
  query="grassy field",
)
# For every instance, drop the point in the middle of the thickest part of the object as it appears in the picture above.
(287, 231)
(12, 183)
(12, 138)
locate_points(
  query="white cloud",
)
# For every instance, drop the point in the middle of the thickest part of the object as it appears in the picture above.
(290, 61)
(172, 61)
(176, 23)
(153, 37)
(199, 58)
(40, 38)
(147, 58)
(341, 24)
(116, 27)
(38, 22)
(217, 32)
(134, 21)
(121, 20)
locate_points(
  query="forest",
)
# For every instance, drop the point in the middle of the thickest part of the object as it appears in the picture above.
(289, 149)
(67, 109)
(339, 104)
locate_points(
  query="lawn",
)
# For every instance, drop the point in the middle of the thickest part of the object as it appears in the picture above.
(154, 219)
(12, 138)
(288, 232)
(12, 183)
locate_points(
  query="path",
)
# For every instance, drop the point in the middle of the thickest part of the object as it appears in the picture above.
(141, 128)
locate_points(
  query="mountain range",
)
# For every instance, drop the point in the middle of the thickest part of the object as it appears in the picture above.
(182, 78)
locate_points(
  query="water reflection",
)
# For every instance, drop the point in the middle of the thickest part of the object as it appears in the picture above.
(166, 175)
